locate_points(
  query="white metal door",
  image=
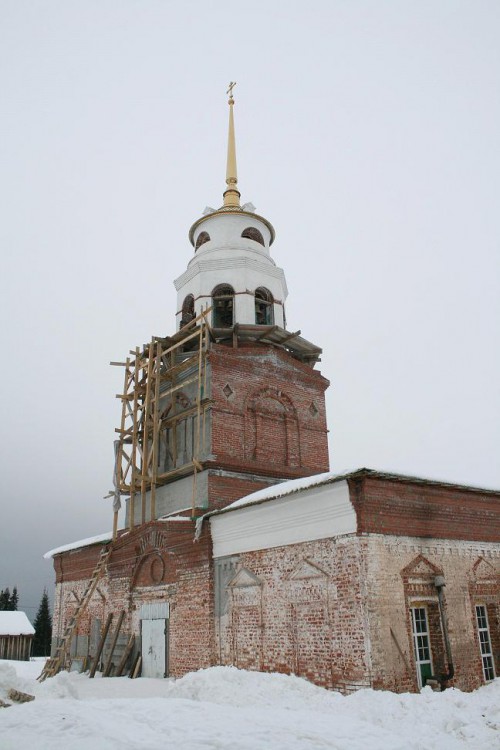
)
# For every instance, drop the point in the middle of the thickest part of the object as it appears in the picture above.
(153, 647)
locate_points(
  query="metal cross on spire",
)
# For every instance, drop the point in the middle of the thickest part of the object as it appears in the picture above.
(232, 84)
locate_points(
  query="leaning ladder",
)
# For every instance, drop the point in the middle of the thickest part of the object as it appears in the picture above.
(56, 663)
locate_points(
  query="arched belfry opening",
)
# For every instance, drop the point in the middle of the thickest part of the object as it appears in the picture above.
(223, 306)
(251, 233)
(264, 312)
(202, 238)
(187, 310)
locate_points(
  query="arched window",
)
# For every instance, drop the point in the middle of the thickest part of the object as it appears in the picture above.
(223, 306)
(253, 234)
(187, 310)
(264, 312)
(202, 238)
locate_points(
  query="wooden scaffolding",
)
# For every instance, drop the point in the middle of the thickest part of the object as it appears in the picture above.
(154, 376)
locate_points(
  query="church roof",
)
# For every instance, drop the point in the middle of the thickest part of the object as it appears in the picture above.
(304, 483)
(99, 539)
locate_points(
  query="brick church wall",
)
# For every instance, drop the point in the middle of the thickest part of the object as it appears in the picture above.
(386, 506)
(298, 609)
(400, 572)
(268, 413)
(337, 611)
(156, 562)
(349, 623)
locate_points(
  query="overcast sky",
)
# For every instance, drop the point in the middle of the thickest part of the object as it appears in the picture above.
(367, 133)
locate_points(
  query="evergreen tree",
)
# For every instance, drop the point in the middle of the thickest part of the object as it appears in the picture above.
(14, 599)
(43, 628)
(4, 599)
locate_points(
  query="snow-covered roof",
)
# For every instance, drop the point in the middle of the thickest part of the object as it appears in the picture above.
(175, 518)
(175, 515)
(284, 488)
(304, 483)
(99, 539)
(15, 623)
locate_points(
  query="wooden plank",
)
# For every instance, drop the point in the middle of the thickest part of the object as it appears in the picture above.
(155, 417)
(101, 645)
(290, 336)
(269, 330)
(126, 654)
(136, 666)
(184, 469)
(175, 370)
(145, 430)
(109, 664)
(169, 421)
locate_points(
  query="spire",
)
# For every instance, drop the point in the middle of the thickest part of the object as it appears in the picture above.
(231, 194)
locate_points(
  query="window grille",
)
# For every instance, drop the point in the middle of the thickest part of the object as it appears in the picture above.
(483, 631)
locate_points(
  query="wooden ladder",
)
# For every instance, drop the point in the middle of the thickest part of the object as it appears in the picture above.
(56, 663)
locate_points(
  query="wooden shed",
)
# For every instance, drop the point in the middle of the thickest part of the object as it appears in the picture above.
(16, 634)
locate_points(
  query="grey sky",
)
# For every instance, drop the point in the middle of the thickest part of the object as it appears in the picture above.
(367, 133)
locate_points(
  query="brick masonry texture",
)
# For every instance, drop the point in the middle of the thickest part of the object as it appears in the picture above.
(156, 562)
(438, 511)
(273, 422)
(301, 614)
(337, 611)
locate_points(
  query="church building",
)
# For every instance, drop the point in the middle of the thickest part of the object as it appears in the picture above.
(239, 546)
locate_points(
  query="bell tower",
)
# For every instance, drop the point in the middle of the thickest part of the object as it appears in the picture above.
(231, 402)
(232, 270)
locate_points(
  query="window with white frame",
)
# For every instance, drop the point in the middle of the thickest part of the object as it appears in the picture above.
(421, 644)
(483, 631)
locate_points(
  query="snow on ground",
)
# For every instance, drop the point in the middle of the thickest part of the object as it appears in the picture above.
(224, 708)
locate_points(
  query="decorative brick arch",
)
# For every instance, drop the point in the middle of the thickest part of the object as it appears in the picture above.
(152, 565)
(484, 572)
(420, 592)
(272, 428)
(484, 590)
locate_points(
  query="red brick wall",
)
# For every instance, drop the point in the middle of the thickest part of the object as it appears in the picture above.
(155, 562)
(272, 421)
(399, 574)
(348, 625)
(410, 509)
(302, 613)
(223, 490)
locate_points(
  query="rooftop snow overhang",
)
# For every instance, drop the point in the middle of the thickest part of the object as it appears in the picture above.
(298, 485)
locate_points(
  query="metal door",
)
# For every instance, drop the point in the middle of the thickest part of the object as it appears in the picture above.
(154, 648)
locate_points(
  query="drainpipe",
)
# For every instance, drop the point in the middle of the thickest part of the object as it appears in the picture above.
(439, 583)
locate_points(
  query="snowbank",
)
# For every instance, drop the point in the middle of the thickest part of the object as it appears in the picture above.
(224, 708)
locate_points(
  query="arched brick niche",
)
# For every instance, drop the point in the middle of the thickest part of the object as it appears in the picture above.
(272, 428)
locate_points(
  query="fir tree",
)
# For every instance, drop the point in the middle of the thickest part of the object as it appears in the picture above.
(14, 599)
(43, 628)
(4, 599)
